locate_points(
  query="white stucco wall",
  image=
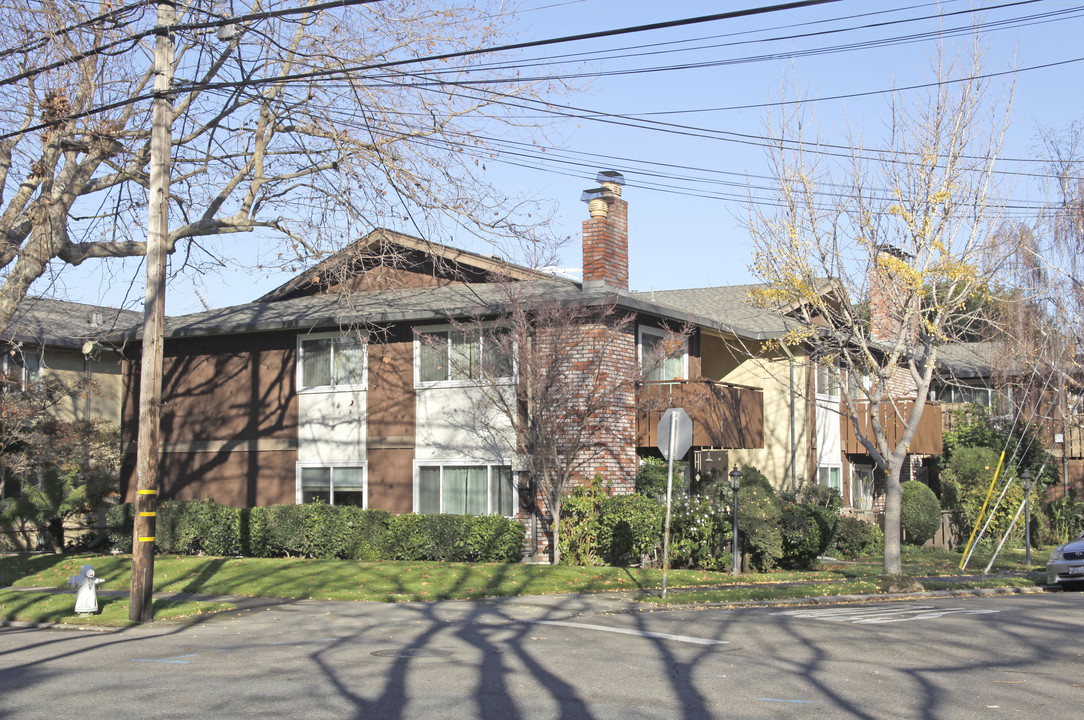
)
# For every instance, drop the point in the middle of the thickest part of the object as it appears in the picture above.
(459, 423)
(331, 426)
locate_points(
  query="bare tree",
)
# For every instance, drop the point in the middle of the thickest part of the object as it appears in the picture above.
(906, 232)
(300, 124)
(571, 405)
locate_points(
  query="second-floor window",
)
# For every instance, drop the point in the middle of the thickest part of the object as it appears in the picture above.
(332, 361)
(447, 355)
(827, 380)
(658, 364)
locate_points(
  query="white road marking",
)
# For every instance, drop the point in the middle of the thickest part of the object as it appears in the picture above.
(640, 633)
(866, 615)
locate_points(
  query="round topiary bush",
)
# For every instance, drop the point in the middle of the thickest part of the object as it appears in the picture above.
(920, 513)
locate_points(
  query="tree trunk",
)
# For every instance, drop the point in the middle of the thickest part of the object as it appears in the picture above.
(893, 562)
(555, 543)
(56, 534)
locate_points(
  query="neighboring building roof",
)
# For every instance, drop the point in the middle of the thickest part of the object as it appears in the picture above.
(978, 360)
(45, 321)
(728, 308)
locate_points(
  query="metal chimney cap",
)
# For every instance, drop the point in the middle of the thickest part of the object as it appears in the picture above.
(596, 194)
(610, 176)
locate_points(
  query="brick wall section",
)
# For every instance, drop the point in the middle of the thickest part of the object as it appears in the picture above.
(606, 246)
(884, 305)
(612, 450)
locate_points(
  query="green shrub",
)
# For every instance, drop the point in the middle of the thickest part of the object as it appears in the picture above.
(1066, 520)
(920, 513)
(801, 537)
(493, 538)
(759, 517)
(369, 536)
(120, 520)
(859, 538)
(319, 530)
(810, 520)
(651, 477)
(630, 528)
(277, 531)
(429, 537)
(580, 513)
(699, 534)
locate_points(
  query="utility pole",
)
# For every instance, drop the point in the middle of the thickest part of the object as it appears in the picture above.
(150, 381)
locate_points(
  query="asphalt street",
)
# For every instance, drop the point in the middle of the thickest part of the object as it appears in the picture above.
(1018, 656)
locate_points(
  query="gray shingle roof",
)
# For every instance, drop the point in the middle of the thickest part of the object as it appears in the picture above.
(727, 307)
(45, 321)
(385, 306)
(719, 308)
(975, 360)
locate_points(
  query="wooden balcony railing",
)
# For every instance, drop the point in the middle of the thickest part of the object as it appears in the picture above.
(927, 439)
(723, 415)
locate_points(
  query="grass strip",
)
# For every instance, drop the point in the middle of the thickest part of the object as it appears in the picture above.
(761, 592)
(351, 580)
(47, 607)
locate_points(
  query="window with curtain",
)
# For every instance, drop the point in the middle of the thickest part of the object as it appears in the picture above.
(463, 356)
(862, 488)
(332, 361)
(831, 476)
(466, 489)
(671, 367)
(334, 485)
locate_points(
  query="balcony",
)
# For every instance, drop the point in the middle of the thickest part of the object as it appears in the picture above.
(724, 415)
(927, 439)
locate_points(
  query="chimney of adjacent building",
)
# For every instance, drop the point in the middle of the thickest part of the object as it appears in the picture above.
(606, 233)
(888, 296)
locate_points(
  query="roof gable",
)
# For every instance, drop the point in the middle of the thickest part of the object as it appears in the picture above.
(385, 259)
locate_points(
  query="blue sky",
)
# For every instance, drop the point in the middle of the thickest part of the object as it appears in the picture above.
(685, 230)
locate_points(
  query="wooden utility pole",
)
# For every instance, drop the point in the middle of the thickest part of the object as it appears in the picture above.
(150, 381)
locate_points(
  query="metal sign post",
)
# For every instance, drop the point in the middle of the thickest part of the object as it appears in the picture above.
(675, 438)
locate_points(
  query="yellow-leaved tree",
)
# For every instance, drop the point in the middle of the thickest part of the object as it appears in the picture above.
(879, 254)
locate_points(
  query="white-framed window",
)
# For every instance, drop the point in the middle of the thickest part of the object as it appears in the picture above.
(827, 380)
(464, 488)
(333, 483)
(453, 356)
(675, 366)
(965, 394)
(333, 361)
(861, 487)
(831, 476)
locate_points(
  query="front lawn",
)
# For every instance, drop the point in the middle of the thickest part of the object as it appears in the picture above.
(402, 581)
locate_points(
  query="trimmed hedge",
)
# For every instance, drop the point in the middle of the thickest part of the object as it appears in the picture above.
(317, 530)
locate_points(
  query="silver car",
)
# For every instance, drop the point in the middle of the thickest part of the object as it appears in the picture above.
(1066, 564)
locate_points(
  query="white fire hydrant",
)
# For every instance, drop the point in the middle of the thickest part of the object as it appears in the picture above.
(86, 599)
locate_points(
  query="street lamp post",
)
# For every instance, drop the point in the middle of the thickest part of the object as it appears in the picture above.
(735, 484)
(1025, 481)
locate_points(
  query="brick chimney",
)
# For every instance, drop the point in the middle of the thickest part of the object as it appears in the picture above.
(887, 296)
(606, 233)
